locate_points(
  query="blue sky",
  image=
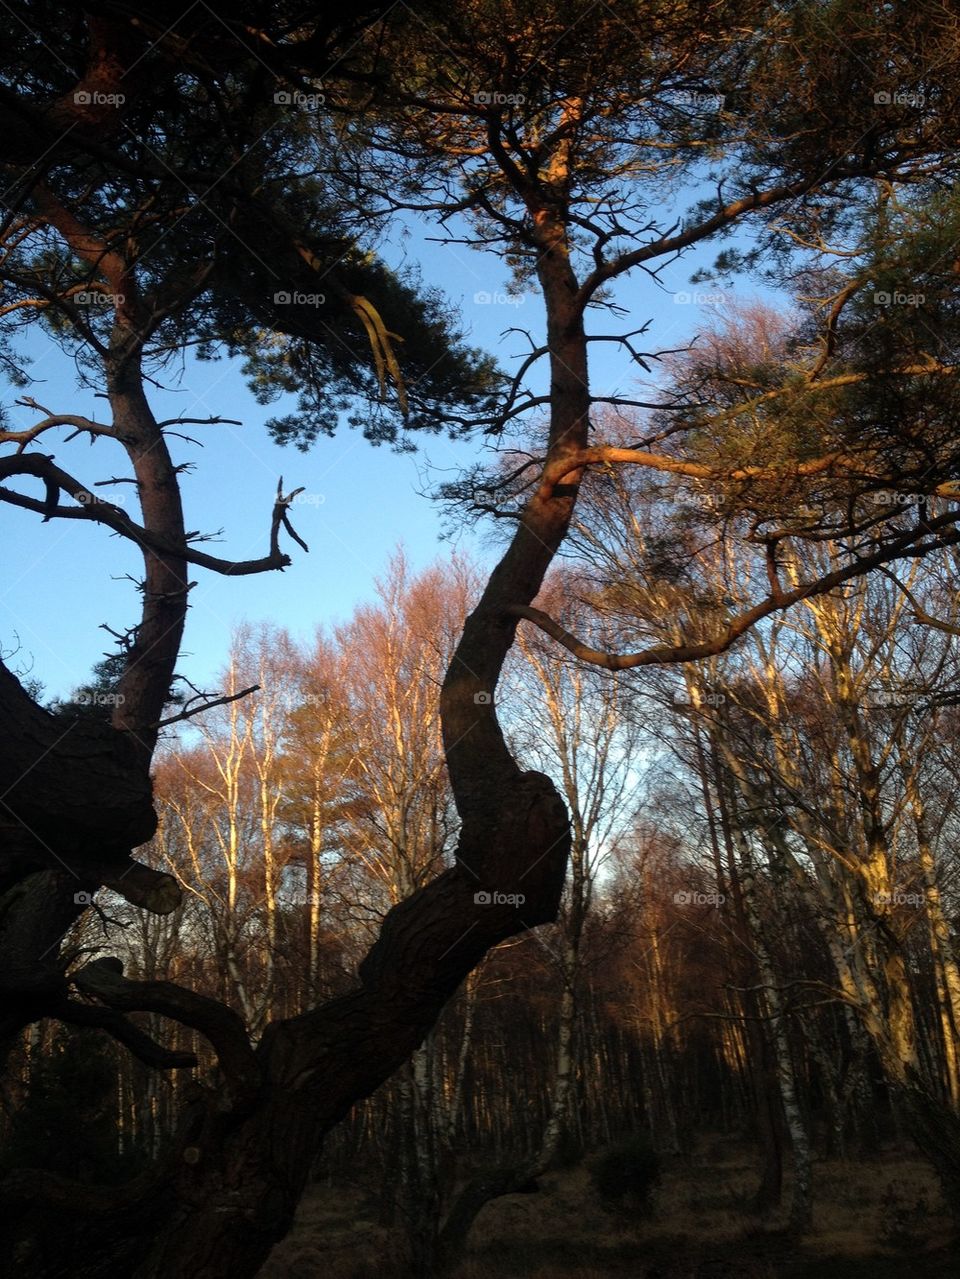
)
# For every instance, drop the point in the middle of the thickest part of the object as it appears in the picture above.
(65, 579)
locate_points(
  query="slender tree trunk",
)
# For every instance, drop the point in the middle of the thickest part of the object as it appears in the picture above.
(946, 969)
(801, 1201)
(760, 1057)
(556, 1125)
(314, 891)
(420, 1187)
(670, 1139)
(466, 1042)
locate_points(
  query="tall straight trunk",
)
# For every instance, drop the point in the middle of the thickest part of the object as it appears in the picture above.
(816, 1042)
(948, 1039)
(420, 1202)
(314, 891)
(563, 1069)
(670, 1139)
(946, 969)
(760, 1057)
(801, 1204)
(757, 1059)
(466, 1043)
(268, 803)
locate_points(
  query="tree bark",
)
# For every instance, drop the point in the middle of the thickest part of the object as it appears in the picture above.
(801, 1204)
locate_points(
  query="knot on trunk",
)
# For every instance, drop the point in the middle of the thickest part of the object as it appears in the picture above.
(520, 856)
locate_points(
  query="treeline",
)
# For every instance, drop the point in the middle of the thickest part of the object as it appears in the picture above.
(759, 928)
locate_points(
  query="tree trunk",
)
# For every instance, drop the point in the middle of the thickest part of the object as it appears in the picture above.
(801, 1200)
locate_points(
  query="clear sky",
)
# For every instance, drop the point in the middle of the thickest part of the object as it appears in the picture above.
(65, 579)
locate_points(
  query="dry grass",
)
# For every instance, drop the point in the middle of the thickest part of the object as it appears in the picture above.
(878, 1218)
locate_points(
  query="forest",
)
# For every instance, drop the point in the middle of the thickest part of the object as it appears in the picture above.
(584, 899)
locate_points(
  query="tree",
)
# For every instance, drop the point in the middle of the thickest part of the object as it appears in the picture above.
(797, 739)
(570, 721)
(554, 136)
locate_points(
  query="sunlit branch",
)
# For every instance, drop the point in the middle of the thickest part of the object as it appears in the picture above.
(599, 455)
(662, 654)
(199, 710)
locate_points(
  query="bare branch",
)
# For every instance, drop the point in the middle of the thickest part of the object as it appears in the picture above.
(198, 710)
(95, 508)
(125, 1032)
(672, 243)
(77, 421)
(919, 612)
(200, 421)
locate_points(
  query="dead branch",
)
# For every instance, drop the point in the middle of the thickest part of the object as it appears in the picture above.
(77, 421)
(93, 507)
(198, 710)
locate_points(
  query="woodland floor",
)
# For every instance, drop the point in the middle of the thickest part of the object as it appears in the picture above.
(879, 1217)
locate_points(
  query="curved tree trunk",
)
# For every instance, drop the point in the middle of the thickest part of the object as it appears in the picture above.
(229, 1190)
(242, 1158)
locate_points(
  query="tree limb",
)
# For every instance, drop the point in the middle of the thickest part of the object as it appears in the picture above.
(198, 710)
(125, 1032)
(94, 507)
(104, 980)
(775, 603)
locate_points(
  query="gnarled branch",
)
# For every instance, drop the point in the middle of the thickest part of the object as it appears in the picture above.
(660, 654)
(104, 980)
(125, 1032)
